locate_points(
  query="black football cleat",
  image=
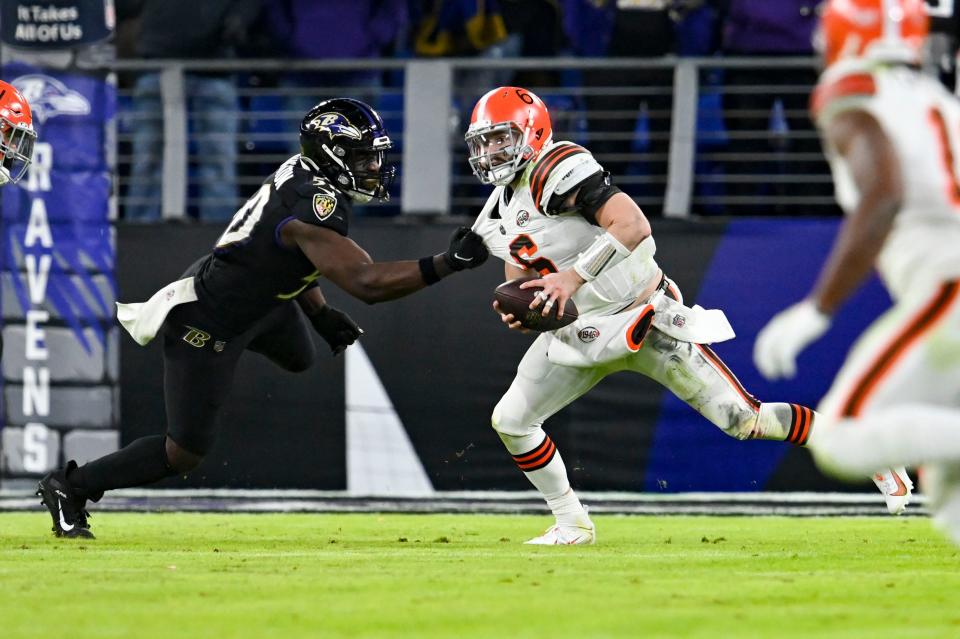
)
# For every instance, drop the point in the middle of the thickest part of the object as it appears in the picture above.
(65, 505)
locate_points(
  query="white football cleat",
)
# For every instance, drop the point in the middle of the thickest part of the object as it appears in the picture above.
(896, 487)
(583, 532)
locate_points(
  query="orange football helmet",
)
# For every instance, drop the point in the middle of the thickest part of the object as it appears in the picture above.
(508, 128)
(890, 30)
(17, 136)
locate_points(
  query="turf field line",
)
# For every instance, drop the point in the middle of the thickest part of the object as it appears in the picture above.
(801, 504)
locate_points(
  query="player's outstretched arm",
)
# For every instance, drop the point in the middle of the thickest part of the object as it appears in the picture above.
(343, 262)
(876, 172)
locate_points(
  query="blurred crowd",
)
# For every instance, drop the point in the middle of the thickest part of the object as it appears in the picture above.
(312, 29)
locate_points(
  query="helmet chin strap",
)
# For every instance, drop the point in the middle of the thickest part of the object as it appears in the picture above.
(4, 175)
(345, 179)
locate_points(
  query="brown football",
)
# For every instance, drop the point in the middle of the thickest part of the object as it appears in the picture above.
(516, 301)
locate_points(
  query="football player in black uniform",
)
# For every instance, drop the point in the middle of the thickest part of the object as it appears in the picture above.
(257, 290)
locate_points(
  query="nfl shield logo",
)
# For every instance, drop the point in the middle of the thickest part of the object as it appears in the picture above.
(323, 205)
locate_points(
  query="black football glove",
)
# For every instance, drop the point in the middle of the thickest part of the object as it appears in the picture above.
(466, 250)
(336, 327)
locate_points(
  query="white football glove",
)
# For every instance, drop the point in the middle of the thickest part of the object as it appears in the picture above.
(785, 336)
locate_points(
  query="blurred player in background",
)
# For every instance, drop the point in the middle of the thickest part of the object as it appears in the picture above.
(555, 216)
(257, 290)
(892, 136)
(17, 139)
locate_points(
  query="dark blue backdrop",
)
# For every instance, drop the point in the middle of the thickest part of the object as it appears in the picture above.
(758, 268)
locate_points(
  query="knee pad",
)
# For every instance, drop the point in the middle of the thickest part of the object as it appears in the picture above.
(516, 437)
(510, 423)
(303, 361)
(180, 459)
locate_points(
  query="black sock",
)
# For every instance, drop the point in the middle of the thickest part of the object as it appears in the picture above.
(143, 461)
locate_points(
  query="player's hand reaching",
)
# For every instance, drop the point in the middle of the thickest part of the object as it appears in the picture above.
(557, 289)
(467, 250)
(785, 336)
(336, 328)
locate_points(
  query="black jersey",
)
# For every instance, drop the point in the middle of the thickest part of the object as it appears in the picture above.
(249, 271)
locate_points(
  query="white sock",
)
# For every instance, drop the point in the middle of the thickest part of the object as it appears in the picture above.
(568, 510)
(785, 422)
(905, 435)
(542, 464)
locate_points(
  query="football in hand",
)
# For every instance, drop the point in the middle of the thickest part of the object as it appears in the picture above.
(516, 301)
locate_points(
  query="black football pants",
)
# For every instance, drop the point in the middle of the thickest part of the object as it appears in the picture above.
(199, 361)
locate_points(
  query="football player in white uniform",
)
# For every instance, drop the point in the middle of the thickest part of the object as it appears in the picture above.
(892, 136)
(555, 217)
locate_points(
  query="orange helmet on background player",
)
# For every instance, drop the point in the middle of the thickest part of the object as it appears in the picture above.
(16, 134)
(508, 128)
(885, 30)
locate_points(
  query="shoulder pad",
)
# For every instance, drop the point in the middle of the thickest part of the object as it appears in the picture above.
(560, 170)
(312, 199)
(307, 184)
(836, 92)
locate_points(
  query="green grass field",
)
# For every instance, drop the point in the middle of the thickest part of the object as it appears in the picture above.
(220, 576)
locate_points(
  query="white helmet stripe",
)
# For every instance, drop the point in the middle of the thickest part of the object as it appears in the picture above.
(893, 16)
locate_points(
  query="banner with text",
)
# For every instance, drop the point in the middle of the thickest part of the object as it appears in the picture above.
(60, 361)
(55, 24)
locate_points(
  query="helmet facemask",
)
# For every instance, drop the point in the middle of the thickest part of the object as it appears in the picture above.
(497, 152)
(356, 174)
(16, 149)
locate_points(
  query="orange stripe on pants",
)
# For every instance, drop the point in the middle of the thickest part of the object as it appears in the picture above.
(886, 362)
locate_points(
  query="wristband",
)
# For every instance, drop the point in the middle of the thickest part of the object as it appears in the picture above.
(428, 270)
(605, 251)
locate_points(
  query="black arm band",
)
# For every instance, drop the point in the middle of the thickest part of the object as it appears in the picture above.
(428, 271)
(594, 193)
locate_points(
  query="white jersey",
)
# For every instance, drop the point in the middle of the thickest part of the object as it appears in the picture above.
(922, 121)
(520, 231)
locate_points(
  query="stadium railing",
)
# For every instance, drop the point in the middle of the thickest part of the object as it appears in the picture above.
(683, 136)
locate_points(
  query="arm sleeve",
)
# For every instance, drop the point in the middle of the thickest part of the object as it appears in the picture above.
(594, 192)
